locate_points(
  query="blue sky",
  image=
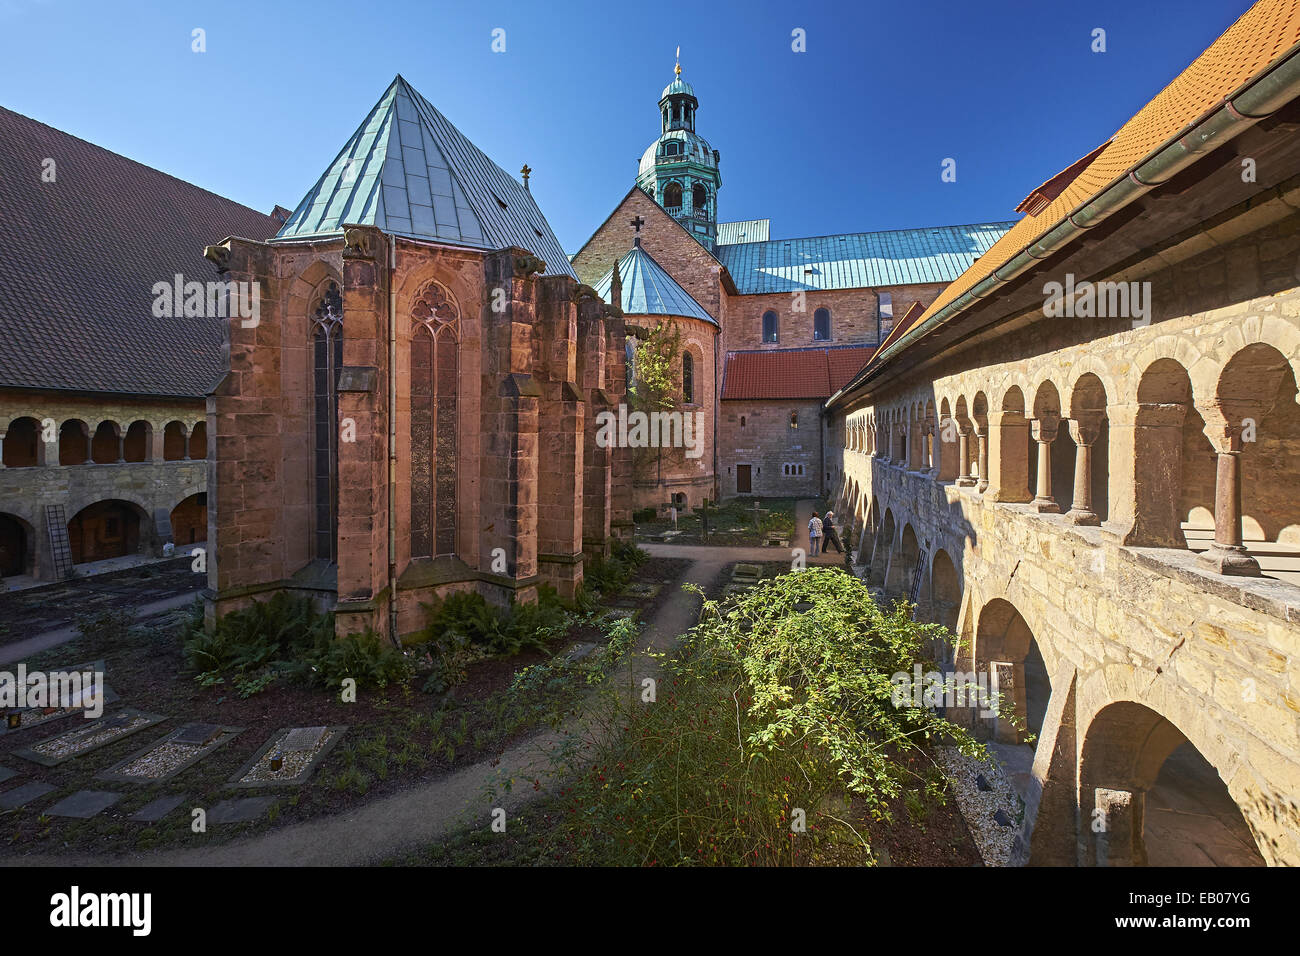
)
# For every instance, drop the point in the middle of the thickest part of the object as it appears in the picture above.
(848, 136)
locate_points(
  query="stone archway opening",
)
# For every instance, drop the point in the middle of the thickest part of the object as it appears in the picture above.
(945, 591)
(1159, 800)
(883, 544)
(106, 529)
(189, 520)
(22, 445)
(16, 546)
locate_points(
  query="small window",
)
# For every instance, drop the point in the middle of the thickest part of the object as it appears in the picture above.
(742, 421)
(822, 324)
(688, 378)
(794, 419)
(886, 306)
(770, 329)
(672, 149)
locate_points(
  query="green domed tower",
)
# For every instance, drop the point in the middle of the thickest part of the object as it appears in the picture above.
(680, 169)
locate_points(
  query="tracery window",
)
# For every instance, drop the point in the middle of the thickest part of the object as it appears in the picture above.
(435, 366)
(327, 360)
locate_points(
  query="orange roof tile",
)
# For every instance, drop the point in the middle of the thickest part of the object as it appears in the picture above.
(1258, 38)
(791, 373)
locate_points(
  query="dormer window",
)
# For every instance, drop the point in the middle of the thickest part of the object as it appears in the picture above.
(673, 149)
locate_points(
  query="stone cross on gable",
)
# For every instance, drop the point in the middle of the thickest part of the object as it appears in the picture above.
(636, 224)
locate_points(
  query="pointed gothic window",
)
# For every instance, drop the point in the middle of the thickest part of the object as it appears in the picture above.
(327, 360)
(434, 370)
(770, 328)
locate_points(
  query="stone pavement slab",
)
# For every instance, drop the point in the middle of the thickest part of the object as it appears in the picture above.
(84, 804)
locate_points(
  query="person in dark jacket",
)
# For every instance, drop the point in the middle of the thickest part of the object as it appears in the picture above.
(829, 535)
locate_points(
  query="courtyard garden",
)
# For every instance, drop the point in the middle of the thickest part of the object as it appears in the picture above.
(249, 723)
(731, 523)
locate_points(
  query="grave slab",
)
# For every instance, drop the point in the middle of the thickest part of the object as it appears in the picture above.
(239, 809)
(21, 796)
(155, 810)
(298, 765)
(108, 729)
(84, 804)
(6, 774)
(170, 755)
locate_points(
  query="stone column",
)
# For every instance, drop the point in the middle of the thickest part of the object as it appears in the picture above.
(1004, 457)
(1084, 434)
(3, 432)
(967, 478)
(983, 434)
(157, 439)
(1118, 833)
(1044, 431)
(1227, 555)
(931, 459)
(121, 446)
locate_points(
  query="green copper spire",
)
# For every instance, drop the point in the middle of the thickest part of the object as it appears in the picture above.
(680, 169)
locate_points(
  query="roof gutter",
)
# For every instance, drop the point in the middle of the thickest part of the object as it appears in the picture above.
(1256, 101)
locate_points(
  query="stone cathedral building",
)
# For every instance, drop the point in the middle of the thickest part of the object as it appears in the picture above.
(412, 413)
(770, 328)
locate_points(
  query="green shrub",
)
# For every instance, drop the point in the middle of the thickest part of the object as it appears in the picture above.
(463, 628)
(286, 639)
(643, 515)
(778, 702)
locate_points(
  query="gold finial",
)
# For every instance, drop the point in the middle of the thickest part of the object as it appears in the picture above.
(678, 69)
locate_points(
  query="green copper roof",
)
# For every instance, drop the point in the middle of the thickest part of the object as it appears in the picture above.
(408, 171)
(858, 260)
(745, 230)
(649, 290)
(678, 85)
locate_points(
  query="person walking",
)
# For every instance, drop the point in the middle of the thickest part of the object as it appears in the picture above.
(814, 535)
(829, 534)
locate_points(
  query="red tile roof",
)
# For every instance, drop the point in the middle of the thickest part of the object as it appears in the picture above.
(791, 373)
(81, 257)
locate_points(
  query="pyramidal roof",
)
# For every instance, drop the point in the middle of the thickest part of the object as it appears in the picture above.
(648, 289)
(408, 171)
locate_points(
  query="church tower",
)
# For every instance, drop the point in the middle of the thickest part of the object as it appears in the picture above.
(679, 169)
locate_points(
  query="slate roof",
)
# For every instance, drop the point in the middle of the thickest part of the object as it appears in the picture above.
(858, 260)
(791, 373)
(408, 171)
(649, 290)
(745, 230)
(80, 259)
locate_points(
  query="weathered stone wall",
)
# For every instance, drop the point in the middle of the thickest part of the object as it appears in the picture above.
(661, 473)
(1146, 644)
(771, 447)
(853, 315)
(153, 486)
(512, 335)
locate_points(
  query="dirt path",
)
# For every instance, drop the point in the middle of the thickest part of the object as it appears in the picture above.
(423, 814)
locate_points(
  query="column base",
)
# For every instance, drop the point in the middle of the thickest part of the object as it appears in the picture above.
(982, 487)
(1079, 517)
(1229, 559)
(1046, 506)
(966, 482)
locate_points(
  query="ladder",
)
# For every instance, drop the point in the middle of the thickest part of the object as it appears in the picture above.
(57, 528)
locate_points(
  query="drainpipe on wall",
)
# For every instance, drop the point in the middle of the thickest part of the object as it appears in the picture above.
(392, 441)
